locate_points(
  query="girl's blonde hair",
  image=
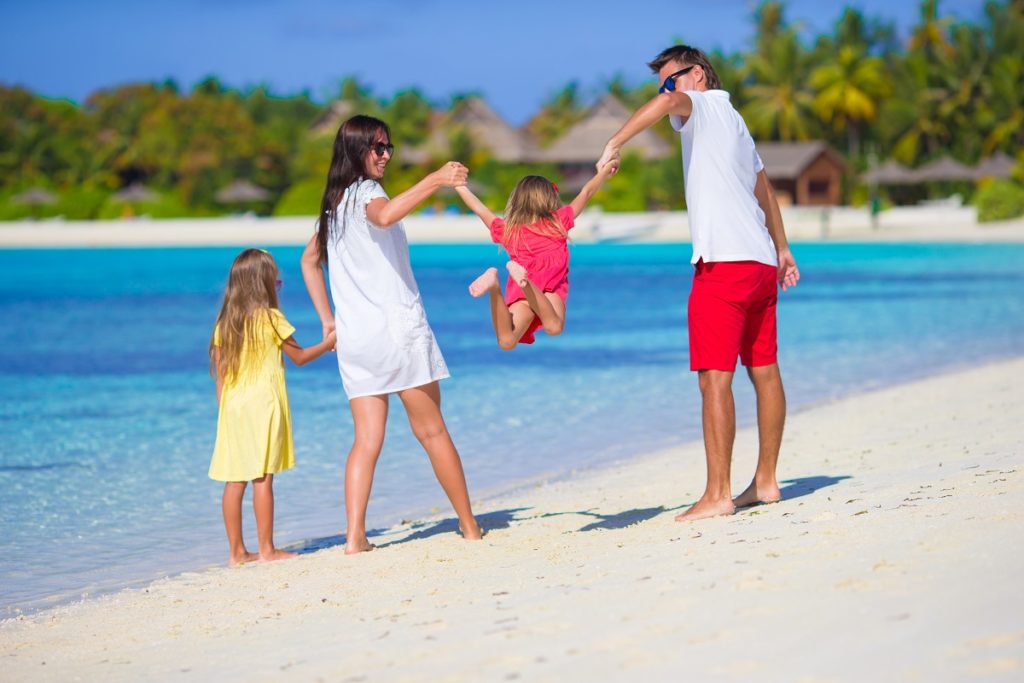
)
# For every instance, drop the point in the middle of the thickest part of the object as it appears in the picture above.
(251, 290)
(533, 202)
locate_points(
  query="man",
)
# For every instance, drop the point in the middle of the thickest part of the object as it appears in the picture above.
(740, 252)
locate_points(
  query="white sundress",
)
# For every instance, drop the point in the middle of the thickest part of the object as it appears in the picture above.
(384, 341)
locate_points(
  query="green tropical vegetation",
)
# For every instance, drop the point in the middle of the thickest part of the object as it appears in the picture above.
(952, 87)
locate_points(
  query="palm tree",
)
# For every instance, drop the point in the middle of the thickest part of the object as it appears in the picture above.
(929, 36)
(913, 122)
(934, 83)
(849, 91)
(779, 102)
(1002, 117)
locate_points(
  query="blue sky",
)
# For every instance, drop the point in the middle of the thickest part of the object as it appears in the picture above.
(516, 53)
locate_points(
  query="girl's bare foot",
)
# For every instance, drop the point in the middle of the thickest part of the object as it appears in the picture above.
(471, 532)
(276, 554)
(517, 272)
(355, 547)
(485, 283)
(242, 558)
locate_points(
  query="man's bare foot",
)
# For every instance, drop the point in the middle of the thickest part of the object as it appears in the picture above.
(242, 558)
(703, 509)
(517, 272)
(474, 533)
(486, 282)
(356, 547)
(276, 554)
(758, 494)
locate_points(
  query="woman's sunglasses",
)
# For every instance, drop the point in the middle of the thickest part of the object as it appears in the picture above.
(380, 147)
(670, 83)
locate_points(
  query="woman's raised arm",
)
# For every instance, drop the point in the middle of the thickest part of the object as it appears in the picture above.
(386, 212)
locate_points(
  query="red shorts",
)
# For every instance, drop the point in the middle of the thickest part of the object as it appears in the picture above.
(732, 313)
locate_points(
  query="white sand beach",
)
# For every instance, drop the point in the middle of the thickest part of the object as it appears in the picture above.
(916, 223)
(894, 556)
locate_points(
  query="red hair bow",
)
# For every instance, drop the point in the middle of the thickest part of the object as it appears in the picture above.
(555, 185)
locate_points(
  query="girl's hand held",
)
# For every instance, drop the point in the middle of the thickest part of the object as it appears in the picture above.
(451, 174)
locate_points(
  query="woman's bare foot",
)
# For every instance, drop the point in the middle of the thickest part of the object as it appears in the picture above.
(517, 272)
(276, 554)
(703, 509)
(355, 547)
(242, 558)
(758, 494)
(486, 282)
(474, 533)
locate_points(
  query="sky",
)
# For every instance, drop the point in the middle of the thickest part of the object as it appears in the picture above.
(515, 53)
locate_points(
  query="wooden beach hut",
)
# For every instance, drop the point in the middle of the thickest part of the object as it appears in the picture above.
(803, 173)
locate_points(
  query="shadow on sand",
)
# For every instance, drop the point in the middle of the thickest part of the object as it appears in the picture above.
(790, 489)
(804, 486)
(501, 519)
(489, 521)
(618, 520)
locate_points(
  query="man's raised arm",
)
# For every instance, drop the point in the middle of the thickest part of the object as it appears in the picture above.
(657, 108)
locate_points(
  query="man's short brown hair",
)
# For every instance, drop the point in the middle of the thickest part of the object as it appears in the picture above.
(686, 55)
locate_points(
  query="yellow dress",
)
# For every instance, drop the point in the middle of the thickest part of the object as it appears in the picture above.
(254, 425)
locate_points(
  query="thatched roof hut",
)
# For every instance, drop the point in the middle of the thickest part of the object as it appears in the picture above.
(240, 192)
(891, 173)
(331, 118)
(999, 165)
(486, 129)
(945, 168)
(34, 196)
(136, 193)
(584, 142)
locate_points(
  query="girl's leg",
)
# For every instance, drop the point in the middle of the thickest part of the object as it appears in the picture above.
(423, 406)
(231, 506)
(510, 322)
(263, 506)
(548, 306)
(370, 415)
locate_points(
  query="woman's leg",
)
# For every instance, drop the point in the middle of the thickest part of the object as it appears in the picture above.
(548, 306)
(423, 406)
(263, 506)
(231, 507)
(510, 322)
(370, 415)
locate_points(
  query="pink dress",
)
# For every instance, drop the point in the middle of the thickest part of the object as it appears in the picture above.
(545, 258)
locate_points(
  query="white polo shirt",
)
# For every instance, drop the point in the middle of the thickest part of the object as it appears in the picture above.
(720, 167)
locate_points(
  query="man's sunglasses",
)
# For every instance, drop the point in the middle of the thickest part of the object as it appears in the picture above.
(380, 147)
(670, 83)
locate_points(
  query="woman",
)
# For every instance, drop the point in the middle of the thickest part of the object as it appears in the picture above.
(385, 344)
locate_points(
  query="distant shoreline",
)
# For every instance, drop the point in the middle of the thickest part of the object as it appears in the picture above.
(926, 224)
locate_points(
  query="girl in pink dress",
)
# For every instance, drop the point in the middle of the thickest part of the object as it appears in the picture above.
(534, 233)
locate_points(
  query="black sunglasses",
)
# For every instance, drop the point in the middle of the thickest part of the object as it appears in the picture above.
(670, 83)
(380, 147)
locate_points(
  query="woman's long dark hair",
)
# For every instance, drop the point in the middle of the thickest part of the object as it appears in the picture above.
(351, 145)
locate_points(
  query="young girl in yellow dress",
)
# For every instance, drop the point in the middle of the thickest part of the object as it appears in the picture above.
(254, 430)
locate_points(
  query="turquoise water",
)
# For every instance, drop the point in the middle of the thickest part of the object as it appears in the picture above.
(108, 415)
